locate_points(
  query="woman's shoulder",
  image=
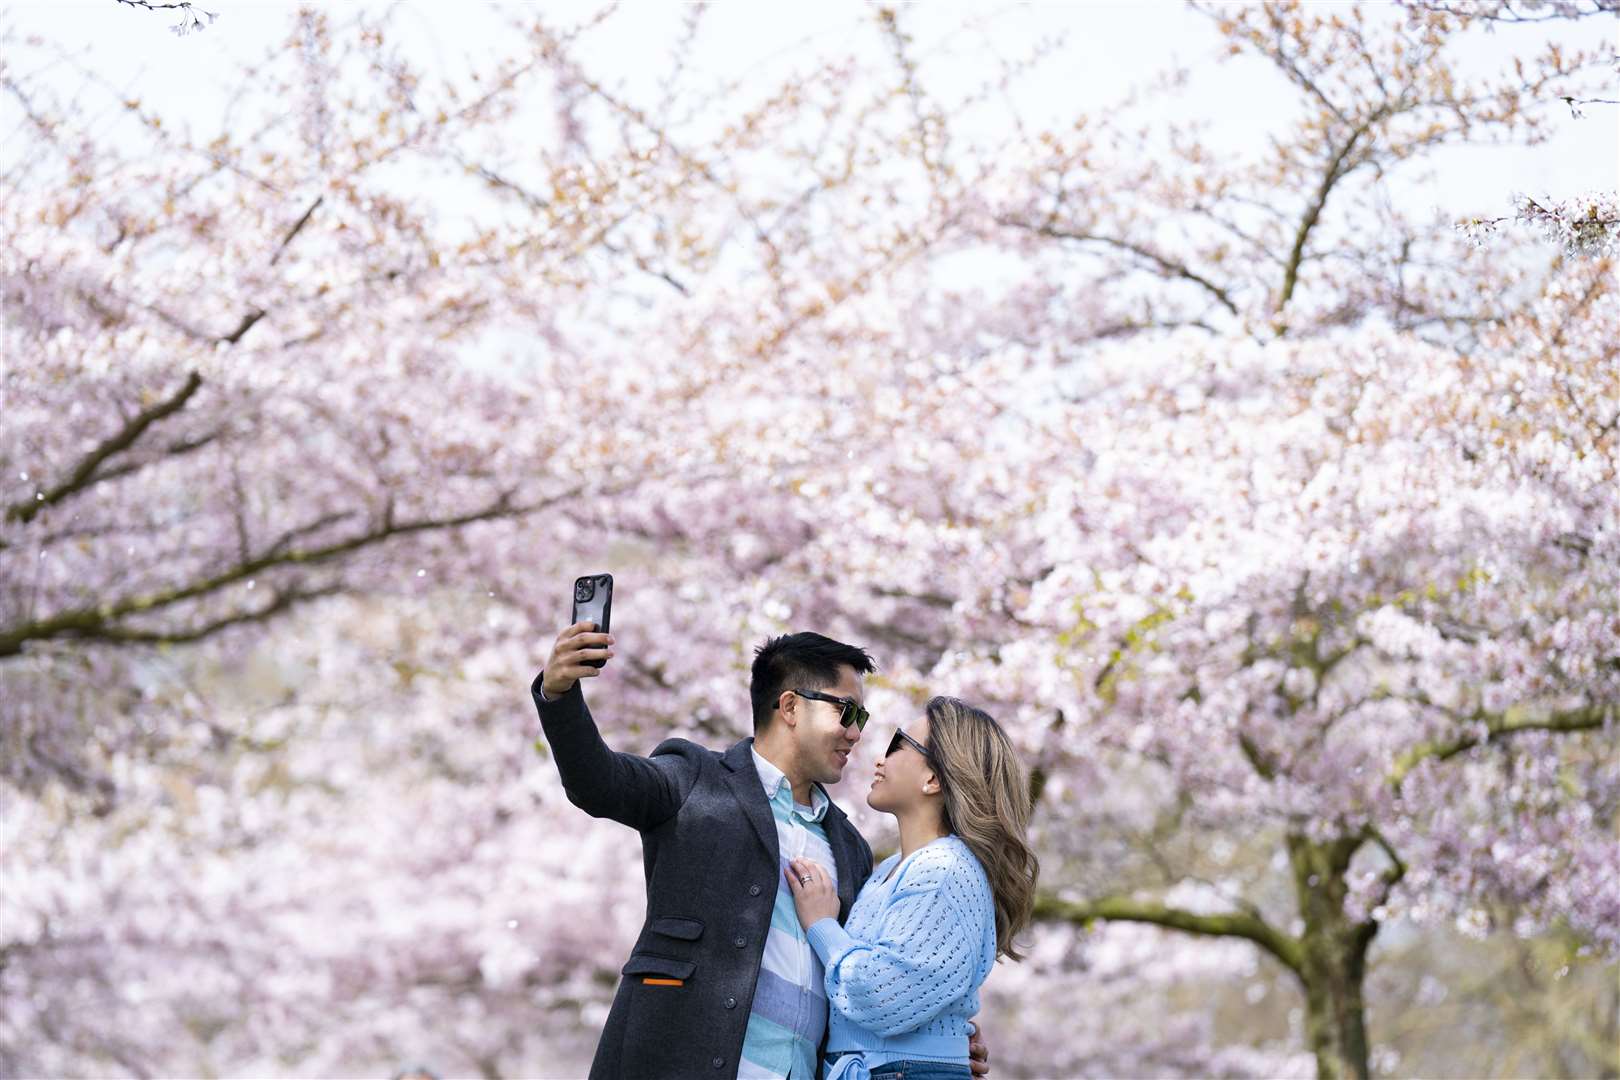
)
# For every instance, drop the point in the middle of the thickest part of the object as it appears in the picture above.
(945, 863)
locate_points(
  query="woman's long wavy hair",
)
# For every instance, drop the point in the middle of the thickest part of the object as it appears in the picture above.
(987, 804)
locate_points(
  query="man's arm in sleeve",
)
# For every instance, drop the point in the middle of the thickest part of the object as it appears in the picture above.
(639, 792)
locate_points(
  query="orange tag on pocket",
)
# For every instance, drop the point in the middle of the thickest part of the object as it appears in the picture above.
(663, 982)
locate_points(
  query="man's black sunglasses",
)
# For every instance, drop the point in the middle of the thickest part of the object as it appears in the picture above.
(853, 712)
(900, 739)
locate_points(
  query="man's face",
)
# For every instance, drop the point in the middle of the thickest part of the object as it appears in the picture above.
(824, 744)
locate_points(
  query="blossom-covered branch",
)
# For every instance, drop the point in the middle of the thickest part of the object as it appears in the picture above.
(102, 621)
(86, 471)
(1490, 727)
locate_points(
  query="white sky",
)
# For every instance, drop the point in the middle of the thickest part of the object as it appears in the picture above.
(1108, 47)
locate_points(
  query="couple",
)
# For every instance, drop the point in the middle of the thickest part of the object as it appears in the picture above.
(771, 946)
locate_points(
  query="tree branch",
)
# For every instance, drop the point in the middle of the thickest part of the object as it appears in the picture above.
(536, 203)
(280, 602)
(297, 228)
(1397, 866)
(189, 19)
(1174, 269)
(122, 440)
(101, 623)
(1512, 722)
(1336, 171)
(1261, 762)
(173, 450)
(1250, 927)
(243, 327)
(301, 531)
(1507, 13)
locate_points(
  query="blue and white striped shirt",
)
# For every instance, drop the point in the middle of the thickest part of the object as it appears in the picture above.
(790, 1004)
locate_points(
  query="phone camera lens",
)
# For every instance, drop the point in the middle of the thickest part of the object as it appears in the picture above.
(584, 590)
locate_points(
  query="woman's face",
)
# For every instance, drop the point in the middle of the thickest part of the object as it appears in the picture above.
(898, 778)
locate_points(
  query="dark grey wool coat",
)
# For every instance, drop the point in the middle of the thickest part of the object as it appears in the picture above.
(709, 852)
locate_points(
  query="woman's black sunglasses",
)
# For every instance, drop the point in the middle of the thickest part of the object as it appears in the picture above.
(901, 738)
(853, 712)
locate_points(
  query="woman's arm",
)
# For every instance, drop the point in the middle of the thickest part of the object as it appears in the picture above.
(924, 957)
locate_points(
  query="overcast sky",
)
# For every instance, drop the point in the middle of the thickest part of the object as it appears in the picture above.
(1107, 47)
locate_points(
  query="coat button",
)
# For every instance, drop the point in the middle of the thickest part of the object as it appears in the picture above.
(718, 1062)
(731, 1003)
(739, 943)
(753, 890)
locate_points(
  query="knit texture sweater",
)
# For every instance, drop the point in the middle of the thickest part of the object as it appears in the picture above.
(903, 972)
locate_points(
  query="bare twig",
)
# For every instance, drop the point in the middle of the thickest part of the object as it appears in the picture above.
(191, 16)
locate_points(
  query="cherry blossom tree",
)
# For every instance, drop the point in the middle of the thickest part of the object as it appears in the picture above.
(255, 374)
(244, 390)
(1342, 589)
(1324, 564)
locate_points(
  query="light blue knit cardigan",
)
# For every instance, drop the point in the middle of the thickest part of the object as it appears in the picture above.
(903, 973)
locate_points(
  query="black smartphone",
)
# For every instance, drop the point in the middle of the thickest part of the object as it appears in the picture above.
(593, 602)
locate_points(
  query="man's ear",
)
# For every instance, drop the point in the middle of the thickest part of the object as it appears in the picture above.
(787, 704)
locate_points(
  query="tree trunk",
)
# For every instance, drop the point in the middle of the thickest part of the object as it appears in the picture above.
(1333, 958)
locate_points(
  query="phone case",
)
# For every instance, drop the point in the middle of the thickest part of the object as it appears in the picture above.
(593, 602)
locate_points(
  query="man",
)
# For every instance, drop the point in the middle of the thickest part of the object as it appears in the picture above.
(721, 981)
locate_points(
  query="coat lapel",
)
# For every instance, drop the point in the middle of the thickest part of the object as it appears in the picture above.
(750, 792)
(840, 837)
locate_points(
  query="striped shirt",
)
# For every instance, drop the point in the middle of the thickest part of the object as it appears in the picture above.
(790, 1004)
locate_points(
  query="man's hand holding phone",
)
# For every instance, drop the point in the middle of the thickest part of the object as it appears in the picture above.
(570, 656)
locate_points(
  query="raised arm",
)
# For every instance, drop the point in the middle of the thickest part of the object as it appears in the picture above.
(924, 957)
(637, 791)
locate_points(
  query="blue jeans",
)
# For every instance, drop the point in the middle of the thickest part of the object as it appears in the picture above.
(914, 1070)
(920, 1070)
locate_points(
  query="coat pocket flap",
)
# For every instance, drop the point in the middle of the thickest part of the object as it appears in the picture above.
(676, 927)
(663, 966)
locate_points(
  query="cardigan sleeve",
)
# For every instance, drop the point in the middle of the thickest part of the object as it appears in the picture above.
(924, 956)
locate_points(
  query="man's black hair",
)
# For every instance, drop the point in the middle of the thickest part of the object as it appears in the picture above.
(804, 659)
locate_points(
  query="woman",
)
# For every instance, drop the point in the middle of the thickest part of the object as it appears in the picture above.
(903, 974)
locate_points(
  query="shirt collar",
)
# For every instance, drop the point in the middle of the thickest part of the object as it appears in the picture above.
(773, 780)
